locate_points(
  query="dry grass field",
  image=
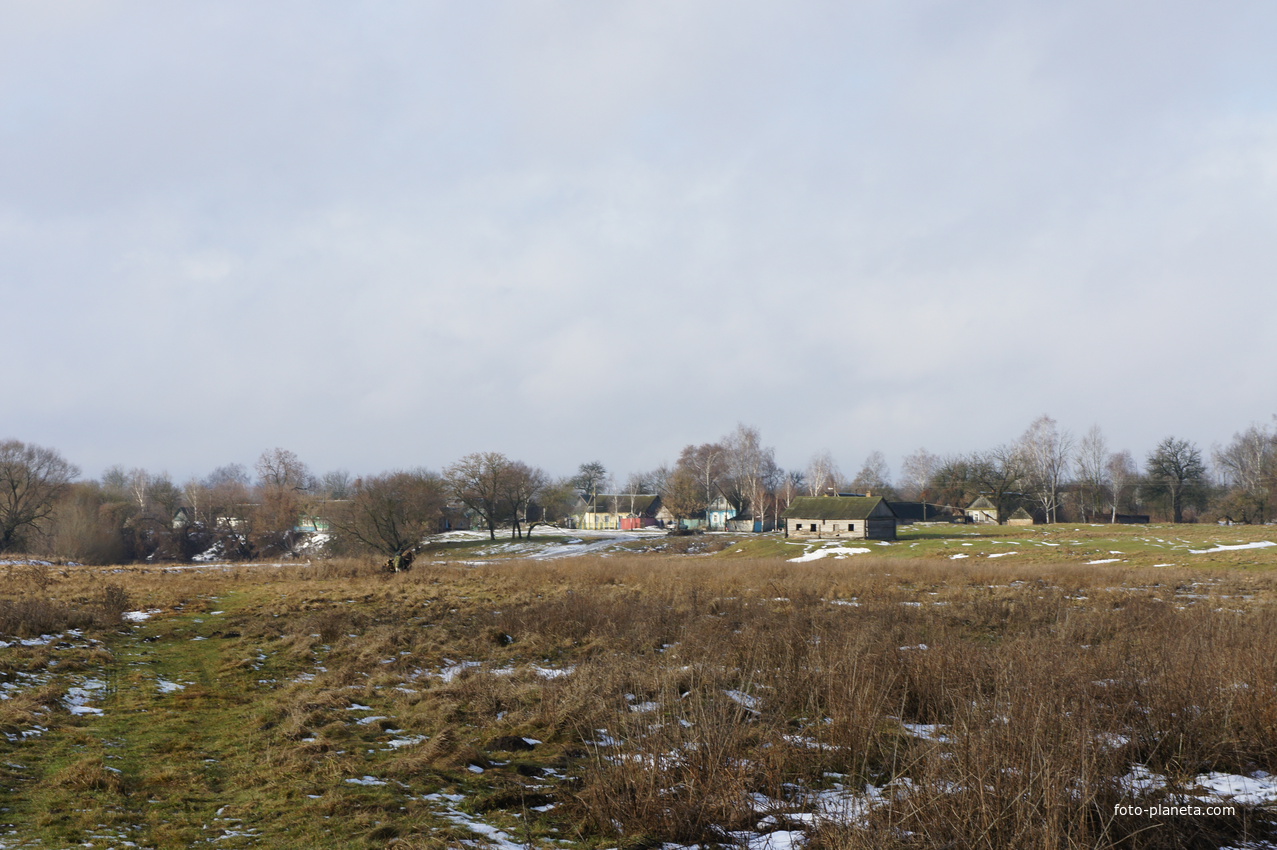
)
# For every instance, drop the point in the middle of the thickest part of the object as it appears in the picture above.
(659, 692)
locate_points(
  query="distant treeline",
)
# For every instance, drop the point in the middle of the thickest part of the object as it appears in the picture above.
(281, 508)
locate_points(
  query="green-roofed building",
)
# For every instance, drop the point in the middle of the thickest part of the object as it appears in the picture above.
(855, 517)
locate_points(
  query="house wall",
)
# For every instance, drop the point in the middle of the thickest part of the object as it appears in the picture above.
(836, 529)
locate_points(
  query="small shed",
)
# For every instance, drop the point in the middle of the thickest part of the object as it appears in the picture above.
(1020, 517)
(852, 517)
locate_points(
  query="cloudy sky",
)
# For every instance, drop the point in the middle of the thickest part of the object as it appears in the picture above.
(388, 234)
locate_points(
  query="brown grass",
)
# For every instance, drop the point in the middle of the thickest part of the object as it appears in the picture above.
(710, 694)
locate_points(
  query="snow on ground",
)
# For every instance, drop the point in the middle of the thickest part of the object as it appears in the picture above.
(835, 551)
(1263, 544)
(77, 698)
(1258, 789)
(452, 669)
(580, 542)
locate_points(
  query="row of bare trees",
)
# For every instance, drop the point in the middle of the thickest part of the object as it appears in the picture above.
(1047, 469)
(268, 510)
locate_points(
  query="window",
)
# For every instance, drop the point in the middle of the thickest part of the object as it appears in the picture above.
(813, 526)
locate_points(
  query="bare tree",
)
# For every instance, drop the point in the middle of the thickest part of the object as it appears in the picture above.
(684, 494)
(477, 482)
(391, 513)
(635, 485)
(708, 463)
(751, 472)
(139, 484)
(32, 479)
(874, 476)
(554, 503)
(822, 474)
(283, 482)
(520, 485)
(281, 469)
(590, 478)
(916, 474)
(1122, 473)
(336, 484)
(1091, 461)
(791, 483)
(85, 528)
(1044, 461)
(998, 472)
(654, 480)
(955, 481)
(1248, 466)
(1176, 474)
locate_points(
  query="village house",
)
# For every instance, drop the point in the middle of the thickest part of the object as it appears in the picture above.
(617, 511)
(717, 517)
(982, 511)
(853, 517)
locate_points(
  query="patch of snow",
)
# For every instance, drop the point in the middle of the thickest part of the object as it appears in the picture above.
(1105, 561)
(454, 670)
(1257, 790)
(956, 557)
(406, 741)
(836, 551)
(1112, 740)
(749, 703)
(782, 839)
(366, 780)
(926, 731)
(77, 698)
(1263, 544)
(167, 687)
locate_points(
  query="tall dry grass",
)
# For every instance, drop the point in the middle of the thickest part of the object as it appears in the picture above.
(996, 707)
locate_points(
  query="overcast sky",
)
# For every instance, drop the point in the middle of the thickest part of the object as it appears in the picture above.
(388, 234)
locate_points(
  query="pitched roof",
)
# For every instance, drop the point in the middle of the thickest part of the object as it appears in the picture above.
(919, 511)
(642, 503)
(836, 507)
(982, 504)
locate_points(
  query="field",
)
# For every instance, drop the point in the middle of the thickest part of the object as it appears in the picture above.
(961, 687)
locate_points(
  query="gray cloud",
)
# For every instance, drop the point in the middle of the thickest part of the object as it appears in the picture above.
(392, 234)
